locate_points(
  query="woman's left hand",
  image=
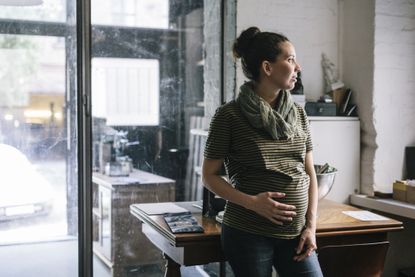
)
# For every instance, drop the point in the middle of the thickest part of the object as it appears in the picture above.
(307, 244)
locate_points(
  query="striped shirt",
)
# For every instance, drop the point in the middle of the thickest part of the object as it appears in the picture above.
(257, 163)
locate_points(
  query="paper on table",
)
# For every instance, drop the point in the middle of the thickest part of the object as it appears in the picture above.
(365, 215)
(161, 208)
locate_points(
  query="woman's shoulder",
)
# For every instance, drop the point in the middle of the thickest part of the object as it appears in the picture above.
(302, 114)
(228, 108)
(300, 110)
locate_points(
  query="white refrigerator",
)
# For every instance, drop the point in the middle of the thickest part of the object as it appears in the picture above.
(336, 140)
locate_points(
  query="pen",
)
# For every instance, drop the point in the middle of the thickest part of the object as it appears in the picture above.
(197, 206)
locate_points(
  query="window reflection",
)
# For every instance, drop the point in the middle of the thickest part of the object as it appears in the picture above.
(32, 93)
(33, 189)
(147, 95)
(126, 91)
(38, 196)
(132, 13)
(49, 10)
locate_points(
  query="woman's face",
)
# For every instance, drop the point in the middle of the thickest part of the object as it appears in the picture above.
(285, 68)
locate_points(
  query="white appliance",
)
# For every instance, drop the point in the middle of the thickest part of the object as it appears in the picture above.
(336, 140)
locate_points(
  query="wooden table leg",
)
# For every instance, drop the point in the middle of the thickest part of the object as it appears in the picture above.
(172, 268)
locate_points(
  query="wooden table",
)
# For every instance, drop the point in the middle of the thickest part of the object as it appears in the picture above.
(333, 228)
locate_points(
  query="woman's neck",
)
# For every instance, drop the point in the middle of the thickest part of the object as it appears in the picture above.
(267, 92)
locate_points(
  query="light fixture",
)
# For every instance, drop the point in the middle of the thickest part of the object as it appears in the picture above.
(21, 2)
(37, 113)
(8, 117)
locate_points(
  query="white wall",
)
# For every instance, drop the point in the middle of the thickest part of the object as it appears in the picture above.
(394, 88)
(357, 49)
(211, 76)
(379, 65)
(375, 50)
(312, 26)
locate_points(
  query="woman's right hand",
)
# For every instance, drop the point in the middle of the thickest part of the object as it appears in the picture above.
(265, 205)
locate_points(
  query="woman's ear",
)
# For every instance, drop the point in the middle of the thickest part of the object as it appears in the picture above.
(266, 68)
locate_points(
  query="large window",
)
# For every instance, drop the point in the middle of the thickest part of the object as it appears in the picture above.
(150, 68)
(38, 139)
(156, 67)
(33, 138)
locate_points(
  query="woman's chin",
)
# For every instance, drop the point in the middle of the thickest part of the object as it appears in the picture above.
(290, 86)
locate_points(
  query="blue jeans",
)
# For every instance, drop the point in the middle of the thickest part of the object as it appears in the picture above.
(253, 255)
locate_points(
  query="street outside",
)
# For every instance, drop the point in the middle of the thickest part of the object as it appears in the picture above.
(43, 227)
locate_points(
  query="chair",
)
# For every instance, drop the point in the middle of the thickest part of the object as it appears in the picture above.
(357, 260)
(197, 139)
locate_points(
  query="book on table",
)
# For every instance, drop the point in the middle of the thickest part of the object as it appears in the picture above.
(346, 102)
(178, 216)
(183, 222)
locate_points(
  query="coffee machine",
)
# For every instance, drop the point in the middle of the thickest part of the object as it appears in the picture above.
(109, 147)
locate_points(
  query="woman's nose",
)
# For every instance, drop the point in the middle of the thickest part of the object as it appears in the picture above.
(297, 67)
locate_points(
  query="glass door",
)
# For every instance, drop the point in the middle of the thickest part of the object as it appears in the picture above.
(156, 69)
(38, 139)
(150, 74)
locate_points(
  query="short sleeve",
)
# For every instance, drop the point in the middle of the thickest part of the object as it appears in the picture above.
(306, 127)
(219, 136)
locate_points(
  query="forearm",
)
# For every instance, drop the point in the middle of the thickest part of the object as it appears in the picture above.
(311, 216)
(220, 187)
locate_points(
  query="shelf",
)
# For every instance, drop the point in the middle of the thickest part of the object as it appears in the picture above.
(98, 252)
(333, 118)
(390, 206)
(95, 211)
(199, 132)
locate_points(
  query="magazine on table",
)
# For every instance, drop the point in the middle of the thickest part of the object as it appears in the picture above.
(183, 222)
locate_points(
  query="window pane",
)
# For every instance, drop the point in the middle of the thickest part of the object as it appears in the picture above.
(148, 101)
(32, 99)
(38, 164)
(49, 10)
(132, 13)
(126, 91)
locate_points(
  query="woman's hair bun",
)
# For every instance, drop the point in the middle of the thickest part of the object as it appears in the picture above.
(242, 43)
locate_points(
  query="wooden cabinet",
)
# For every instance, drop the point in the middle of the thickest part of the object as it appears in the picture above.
(117, 240)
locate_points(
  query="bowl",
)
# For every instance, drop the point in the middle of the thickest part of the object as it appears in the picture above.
(325, 181)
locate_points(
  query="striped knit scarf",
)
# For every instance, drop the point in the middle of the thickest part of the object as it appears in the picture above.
(280, 123)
